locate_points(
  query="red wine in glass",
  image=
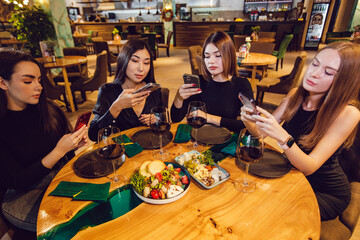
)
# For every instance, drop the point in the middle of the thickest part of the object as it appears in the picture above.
(160, 128)
(111, 152)
(250, 154)
(196, 122)
(196, 118)
(159, 125)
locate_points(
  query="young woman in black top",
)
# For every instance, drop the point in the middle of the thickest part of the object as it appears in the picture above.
(117, 105)
(320, 118)
(35, 139)
(219, 85)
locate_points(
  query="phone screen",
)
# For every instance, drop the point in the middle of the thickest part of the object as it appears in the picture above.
(191, 79)
(82, 120)
(250, 103)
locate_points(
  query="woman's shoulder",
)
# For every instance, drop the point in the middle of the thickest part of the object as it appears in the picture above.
(240, 81)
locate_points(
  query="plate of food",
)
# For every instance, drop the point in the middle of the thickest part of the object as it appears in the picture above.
(158, 182)
(202, 168)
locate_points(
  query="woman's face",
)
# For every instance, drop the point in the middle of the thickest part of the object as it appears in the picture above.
(213, 61)
(321, 72)
(24, 86)
(138, 66)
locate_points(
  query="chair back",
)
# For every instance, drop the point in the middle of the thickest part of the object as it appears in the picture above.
(151, 42)
(100, 46)
(261, 47)
(283, 46)
(158, 29)
(267, 34)
(297, 70)
(77, 51)
(168, 39)
(165, 97)
(52, 91)
(238, 41)
(5, 35)
(131, 29)
(193, 52)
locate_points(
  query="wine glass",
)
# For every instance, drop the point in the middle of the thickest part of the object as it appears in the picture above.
(196, 118)
(160, 124)
(249, 149)
(110, 150)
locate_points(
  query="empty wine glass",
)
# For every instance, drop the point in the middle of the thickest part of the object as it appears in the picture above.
(196, 118)
(160, 124)
(110, 150)
(249, 149)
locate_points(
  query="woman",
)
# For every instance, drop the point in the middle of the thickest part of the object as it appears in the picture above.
(219, 85)
(35, 139)
(319, 119)
(117, 105)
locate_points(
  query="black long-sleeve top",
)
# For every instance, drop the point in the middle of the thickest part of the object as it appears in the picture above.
(221, 99)
(23, 144)
(127, 118)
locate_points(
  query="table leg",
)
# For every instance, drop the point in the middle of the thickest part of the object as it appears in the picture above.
(68, 90)
(253, 77)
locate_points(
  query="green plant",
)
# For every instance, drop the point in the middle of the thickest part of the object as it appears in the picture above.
(32, 24)
(115, 31)
(255, 29)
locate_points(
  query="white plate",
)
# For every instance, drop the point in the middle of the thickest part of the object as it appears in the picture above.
(167, 200)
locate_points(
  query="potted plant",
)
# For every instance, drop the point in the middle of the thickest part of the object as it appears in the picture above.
(116, 35)
(33, 25)
(255, 32)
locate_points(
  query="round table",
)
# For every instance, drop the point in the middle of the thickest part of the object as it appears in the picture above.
(281, 208)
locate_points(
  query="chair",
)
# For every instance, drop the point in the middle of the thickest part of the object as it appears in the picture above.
(165, 97)
(99, 78)
(283, 84)
(159, 30)
(343, 226)
(261, 47)
(193, 52)
(151, 41)
(282, 50)
(238, 41)
(267, 34)
(131, 30)
(165, 45)
(99, 47)
(231, 31)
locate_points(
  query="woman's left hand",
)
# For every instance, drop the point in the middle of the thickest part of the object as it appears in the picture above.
(145, 119)
(269, 126)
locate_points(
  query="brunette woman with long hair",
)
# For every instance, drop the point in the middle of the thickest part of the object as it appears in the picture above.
(219, 85)
(320, 118)
(35, 139)
(117, 105)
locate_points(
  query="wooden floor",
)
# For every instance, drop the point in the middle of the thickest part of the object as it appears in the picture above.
(169, 71)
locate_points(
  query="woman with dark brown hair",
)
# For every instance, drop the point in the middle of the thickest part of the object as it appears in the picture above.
(320, 118)
(219, 85)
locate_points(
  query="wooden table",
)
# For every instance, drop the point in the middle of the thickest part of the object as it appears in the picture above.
(17, 44)
(117, 44)
(81, 38)
(257, 59)
(282, 208)
(62, 63)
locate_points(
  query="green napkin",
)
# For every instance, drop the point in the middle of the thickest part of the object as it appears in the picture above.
(131, 149)
(82, 191)
(183, 133)
(230, 148)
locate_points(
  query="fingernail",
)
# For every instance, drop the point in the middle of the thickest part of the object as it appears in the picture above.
(194, 85)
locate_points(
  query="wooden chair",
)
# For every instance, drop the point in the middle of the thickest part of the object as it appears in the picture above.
(165, 45)
(262, 47)
(238, 41)
(283, 84)
(343, 226)
(193, 52)
(99, 78)
(165, 97)
(267, 34)
(99, 47)
(282, 50)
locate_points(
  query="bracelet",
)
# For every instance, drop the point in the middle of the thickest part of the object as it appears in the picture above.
(287, 144)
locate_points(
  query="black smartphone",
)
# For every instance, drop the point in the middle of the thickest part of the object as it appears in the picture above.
(192, 79)
(82, 120)
(250, 103)
(148, 87)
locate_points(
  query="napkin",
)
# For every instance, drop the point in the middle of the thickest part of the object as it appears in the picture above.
(183, 133)
(221, 151)
(131, 149)
(82, 191)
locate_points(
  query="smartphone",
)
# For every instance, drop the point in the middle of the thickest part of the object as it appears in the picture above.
(82, 120)
(148, 87)
(191, 79)
(250, 103)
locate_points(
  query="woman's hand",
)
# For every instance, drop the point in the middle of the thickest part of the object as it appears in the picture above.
(247, 114)
(185, 91)
(145, 119)
(71, 141)
(269, 126)
(127, 99)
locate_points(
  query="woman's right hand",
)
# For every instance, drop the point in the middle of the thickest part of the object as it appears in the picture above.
(127, 99)
(188, 90)
(71, 141)
(247, 114)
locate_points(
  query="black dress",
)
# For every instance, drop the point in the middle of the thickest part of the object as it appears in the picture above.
(329, 182)
(221, 99)
(127, 118)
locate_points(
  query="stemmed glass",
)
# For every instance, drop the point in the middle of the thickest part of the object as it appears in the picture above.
(160, 124)
(249, 149)
(110, 150)
(196, 118)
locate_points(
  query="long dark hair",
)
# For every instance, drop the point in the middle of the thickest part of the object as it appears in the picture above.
(124, 57)
(228, 54)
(52, 117)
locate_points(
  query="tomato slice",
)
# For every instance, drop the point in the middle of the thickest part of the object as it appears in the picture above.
(158, 176)
(178, 170)
(185, 179)
(154, 194)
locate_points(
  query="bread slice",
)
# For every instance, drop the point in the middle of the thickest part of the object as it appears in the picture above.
(155, 167)
(143, 169)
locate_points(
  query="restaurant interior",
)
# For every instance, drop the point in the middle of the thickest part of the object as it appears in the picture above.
(284, 35)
